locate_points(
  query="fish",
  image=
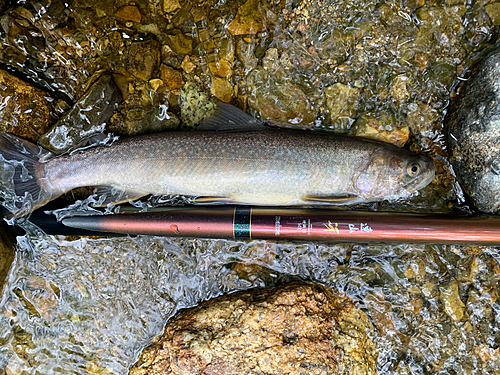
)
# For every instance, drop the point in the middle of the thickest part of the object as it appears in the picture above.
(231, 158)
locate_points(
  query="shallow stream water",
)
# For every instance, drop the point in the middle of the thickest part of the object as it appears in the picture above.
(89, 305)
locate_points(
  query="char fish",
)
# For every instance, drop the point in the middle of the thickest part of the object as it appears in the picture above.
(231, 158)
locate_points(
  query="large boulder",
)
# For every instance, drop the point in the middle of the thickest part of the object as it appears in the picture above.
(473, 134)
(299, 328)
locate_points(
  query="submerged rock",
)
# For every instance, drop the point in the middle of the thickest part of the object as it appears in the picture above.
(341, 101)
(279, 100)
(144, 109)
(383, 128)
(143, 58)
(171, 78)
(248, 20)
(473, 135)
(299, 328)
(195, 105)
(453, 305)
(24, 110)
(7, 242)
(85, 118)
(129, 13)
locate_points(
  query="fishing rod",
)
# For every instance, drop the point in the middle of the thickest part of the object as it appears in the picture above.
(325, 225)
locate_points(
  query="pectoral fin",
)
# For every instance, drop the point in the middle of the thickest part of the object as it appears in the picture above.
(334, 199)
(212, 200)
(117, 196)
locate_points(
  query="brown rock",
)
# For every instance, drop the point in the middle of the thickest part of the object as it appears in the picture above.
(7, 242)
(171, 5)
(171, 78)
(129, 13)
(381, 313)
(493, 11)
(256, 258)
(221, 88)
(399, 89)
(156, 83)
(187, 65)
(341, 101)
(221, 68)
(143, 58)
(297, 328)
(179, 43)
(452, 303)
(382, 128)
(248, 20)
(278, 100)
(24, 110)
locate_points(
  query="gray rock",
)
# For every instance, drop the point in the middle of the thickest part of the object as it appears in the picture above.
(473, 134)
(85, 118)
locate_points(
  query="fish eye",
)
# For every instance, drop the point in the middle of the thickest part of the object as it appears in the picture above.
(413, 169)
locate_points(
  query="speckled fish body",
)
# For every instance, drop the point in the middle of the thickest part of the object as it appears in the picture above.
(281, 167)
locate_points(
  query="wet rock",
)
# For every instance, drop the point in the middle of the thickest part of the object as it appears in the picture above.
(248, 20)
(453, 305)
(144, 110)
(143, 58)
(221, 88)
(170, 6)
(221, 68)
(341, 102)
(278, 100)
(40, 296)
(129, 13)
(7, 242)
(399, 90)
(493, 11)
(416, 270)
(383, 128)
(245, 52)
(171, 78)
(195, 104)
(271, 60)
(180, 43)
(88, 116)
(473, 134)
(298, 328)
(24, 110)
(423, 120)
(381, 314)
(256, 259)
(187, 65)
(156, 84)
(170, 58)
(414, 306)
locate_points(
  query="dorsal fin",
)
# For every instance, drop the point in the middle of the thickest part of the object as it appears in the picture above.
(229, 118)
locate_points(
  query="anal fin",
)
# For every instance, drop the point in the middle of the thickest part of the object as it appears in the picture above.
(334, 199)
(211, 200)
(117, 196)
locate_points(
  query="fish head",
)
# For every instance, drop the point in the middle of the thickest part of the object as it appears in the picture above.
(394, 174)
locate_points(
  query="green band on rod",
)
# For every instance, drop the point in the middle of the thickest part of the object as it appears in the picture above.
(242, 222)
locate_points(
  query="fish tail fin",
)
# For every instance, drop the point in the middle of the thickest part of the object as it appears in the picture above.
(20, 160)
